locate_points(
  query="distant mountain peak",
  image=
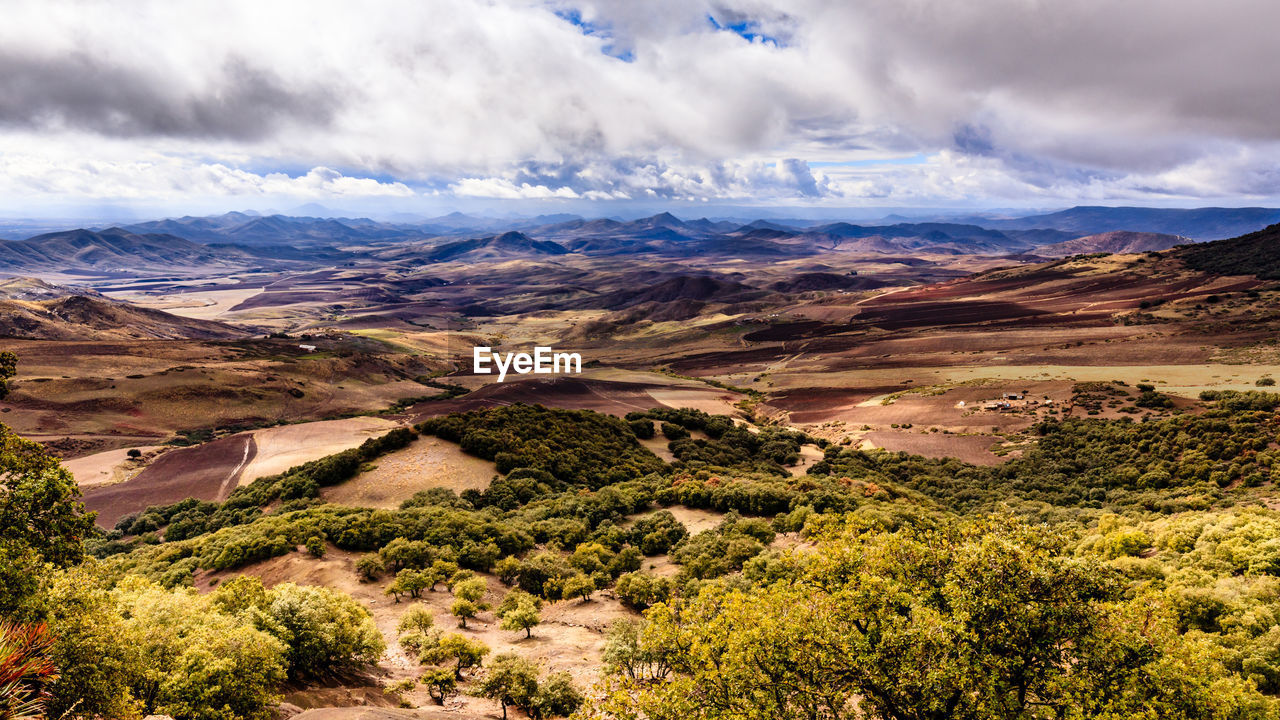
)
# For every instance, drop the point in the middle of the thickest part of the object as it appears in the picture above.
(664, 219)
(512, 236)
(509, 244)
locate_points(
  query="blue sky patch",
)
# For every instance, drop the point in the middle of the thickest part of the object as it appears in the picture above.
(600, 31)
(745, 29)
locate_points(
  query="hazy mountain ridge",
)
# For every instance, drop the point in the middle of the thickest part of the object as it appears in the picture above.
(113, 249)
(1210, 223)
(243, 240)
(507, 245)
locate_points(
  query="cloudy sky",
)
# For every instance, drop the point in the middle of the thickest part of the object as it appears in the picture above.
(442, 104)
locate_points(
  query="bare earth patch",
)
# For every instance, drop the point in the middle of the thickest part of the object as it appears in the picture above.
(428, 462)
(109, 467)
(207, 472)
(969, 448)
(570, 638)
(283, 447)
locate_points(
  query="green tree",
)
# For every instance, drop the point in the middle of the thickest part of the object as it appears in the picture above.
(325, 630)
(557, 696)
(970, 620)
(640, 590)
(464, 610)
(472, 589)
(239, 594)
(402, 553)
(8, 368)
(507, 569)
(97, 666)
(370, 567)
(579, 586)
(511, 680)
(41, 520)
(416, 619)
(138, 648)
(315, 546)
(464, 652)
(519, 611)
(227, 671)
(627, 653)
(468, 603)
(441, 684)
(440, 571)
(409, 582)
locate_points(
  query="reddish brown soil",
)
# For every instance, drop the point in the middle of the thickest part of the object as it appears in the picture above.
(815, 405)
(969, 448)
(198, 472)
(933, 314)
(272, 298)
(604, 396)
(794, 331)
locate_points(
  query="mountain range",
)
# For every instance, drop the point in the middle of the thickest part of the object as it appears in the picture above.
(236, 240)
(1210, 223)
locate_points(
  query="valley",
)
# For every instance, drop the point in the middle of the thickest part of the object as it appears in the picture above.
(234, 417)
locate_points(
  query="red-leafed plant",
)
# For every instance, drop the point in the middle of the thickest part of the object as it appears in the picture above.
(25, 670)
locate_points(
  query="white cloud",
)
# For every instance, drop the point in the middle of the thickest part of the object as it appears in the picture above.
(507, 190)
(161, 177)
(1013, 100)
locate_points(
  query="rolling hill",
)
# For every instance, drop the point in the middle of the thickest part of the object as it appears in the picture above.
(29, 288)
(1257, 253)
(499, 247)
(1119, 241)
(80, 317)
(113, 250)
(252, 230)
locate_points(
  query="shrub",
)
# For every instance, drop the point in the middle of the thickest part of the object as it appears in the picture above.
(642, 429)
(640, 591)
(671, 431)
(370, 567)
(325, 630)
(315, 546)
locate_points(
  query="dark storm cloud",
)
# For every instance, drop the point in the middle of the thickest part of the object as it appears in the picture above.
(1051, 74)
(84, 92)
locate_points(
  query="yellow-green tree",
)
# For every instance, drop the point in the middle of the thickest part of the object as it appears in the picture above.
(511, 680)
(965, 620)
(469, 602)
(519, 611)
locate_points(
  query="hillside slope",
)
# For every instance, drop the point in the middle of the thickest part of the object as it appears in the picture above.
(113, 249)
(80, 317)
(498, 247)
(1119, 241)
(1257, 253)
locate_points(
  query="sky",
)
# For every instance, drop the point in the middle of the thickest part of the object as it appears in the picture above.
(436, 105)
